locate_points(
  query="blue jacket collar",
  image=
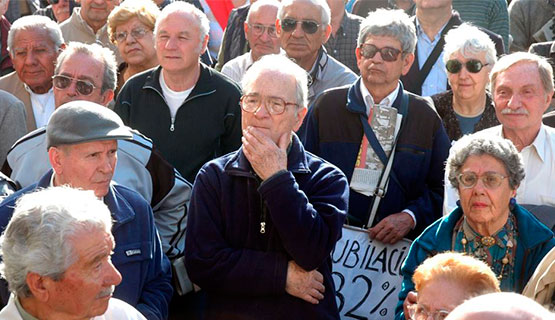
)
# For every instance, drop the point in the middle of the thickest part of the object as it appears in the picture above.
(120, 209)
(355, 101)
(238, 165)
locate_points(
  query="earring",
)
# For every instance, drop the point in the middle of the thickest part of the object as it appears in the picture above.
(458, 203)
(512, 204)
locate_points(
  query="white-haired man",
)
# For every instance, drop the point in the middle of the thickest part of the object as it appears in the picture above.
(303, 27)
(34, 43)
(264, 219)
(56, 257)
(189, 110)
(260, 31)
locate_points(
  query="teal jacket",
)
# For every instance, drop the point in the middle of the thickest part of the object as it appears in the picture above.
(533, 243)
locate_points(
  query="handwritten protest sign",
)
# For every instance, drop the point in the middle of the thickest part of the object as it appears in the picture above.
(367, 275)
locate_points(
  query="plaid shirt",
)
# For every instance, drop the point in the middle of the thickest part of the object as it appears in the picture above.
(342, 46)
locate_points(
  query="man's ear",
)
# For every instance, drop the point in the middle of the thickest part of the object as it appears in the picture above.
(408, 59)
(55, 156)
(327, 34)
(204, 44)
(38, 285)
(301, 113)
(245, 28)
(107, 96)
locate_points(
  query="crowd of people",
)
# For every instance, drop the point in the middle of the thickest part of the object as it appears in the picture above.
(153, 167)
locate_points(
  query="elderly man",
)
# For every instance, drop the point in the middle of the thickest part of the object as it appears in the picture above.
(56, 258)
(88, 72)
(189, 110)
(87, 23)
(265, 218)
(34, 43)
(500, 306)
(303, 27)
(344, 32)
(81, 138)
(357, 129)
(260, 31)
(522, 88)
(433, 19)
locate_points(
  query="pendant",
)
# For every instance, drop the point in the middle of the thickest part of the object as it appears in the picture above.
(262, 227)
(488, 241)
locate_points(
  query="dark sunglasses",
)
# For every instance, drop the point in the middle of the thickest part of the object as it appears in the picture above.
(63, 82)
(472, 65)
(388, 54)
(308, 26)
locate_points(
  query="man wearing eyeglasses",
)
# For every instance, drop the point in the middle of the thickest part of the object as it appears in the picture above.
(363, 127)
(34, 43)
(303, 27)
(260, 31)
(265, 218)
(88, 72)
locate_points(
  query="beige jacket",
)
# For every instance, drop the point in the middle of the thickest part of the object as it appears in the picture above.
(541, 285)
(13, 85)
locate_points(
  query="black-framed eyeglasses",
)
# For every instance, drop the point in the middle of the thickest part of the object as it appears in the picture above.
(308, 26)
(490, 179)
(472, 65)
(259, 29)
(251, 103)
(137, 33)
(84, 87)
(389, 54)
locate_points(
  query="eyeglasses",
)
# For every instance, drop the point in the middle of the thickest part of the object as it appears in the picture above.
(389, 54)
(251, 103)
(490, 179)
(258, 30)
(137, 33)
(308, 26)
(63, 82)
(472, 65)
(417, 312)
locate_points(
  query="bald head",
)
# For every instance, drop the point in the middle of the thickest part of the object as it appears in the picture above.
(500, 306)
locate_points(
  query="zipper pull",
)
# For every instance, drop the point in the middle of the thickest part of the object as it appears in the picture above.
(262, 227)
(172, 128)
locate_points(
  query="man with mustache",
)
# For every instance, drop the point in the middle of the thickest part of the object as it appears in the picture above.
(343, 121)
(522, 88)
(81, 139)
(87, 24)
(56, 258)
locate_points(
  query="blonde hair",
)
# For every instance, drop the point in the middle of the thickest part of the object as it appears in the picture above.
(145, 10)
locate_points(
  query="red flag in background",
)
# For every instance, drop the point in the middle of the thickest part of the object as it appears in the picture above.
(221, 10)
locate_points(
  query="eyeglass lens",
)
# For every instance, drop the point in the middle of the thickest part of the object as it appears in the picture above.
(136, 33)
(472, 65)
(259, 29)
(308, 26)
(388, 54)
(252, 102)
(489, 179)
(83, 87)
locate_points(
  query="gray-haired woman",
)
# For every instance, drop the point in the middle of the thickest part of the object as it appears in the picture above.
(469, 54)
(487, 223)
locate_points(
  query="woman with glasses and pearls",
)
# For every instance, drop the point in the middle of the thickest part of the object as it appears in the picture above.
(131, 27)
(446, 280)
(487, 224)
(469, 55)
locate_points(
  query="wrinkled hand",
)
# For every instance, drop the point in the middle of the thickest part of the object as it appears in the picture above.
(265, 157)
(307, 285)
(410, 299)
(392, 228)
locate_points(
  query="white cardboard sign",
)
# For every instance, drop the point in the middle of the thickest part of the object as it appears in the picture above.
(367, 275)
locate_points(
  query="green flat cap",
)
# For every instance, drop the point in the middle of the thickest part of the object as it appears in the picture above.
(84, 121)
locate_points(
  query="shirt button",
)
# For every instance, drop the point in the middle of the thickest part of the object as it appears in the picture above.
(334, 51)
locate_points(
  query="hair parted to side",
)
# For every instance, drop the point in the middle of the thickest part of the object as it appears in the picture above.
(102, 54)
(389, 23)
(38, 236)
(281, 65)
(505, 62)
(468, 39)
(472, 274)
(322, 5)
(28, 23)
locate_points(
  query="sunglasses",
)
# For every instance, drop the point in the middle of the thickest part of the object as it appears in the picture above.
(308, 26)
(368, 51)
(63, 82)
(472, 65)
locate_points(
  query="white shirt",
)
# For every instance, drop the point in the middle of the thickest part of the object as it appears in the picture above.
(43, 106)
(537, 187)
(236, 68)
(174, 98)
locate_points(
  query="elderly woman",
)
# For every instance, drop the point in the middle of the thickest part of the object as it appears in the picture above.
(446, 280)
(487, 223)
(469, 54)
(131, 27)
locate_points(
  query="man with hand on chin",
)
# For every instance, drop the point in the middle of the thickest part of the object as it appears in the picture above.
(264, 219)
